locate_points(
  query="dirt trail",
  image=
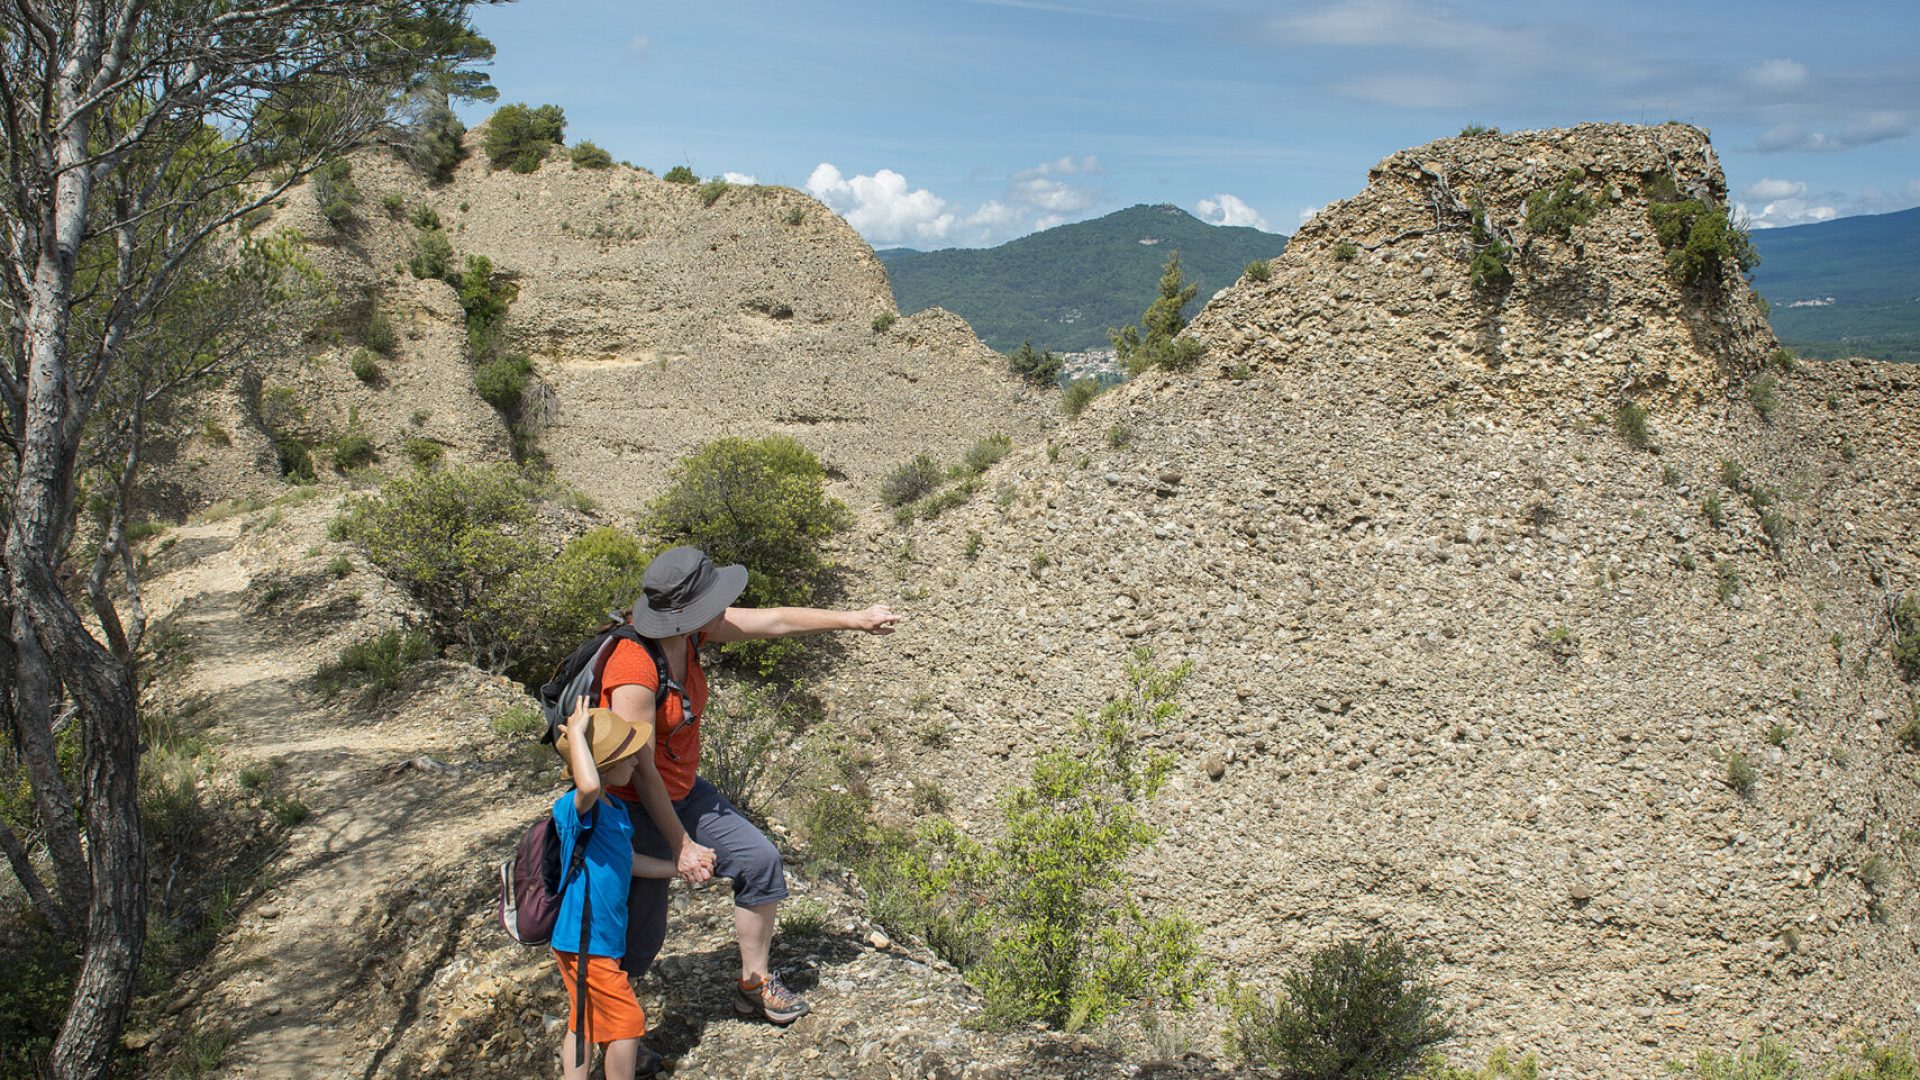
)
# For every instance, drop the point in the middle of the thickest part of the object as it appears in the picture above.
(366, 948)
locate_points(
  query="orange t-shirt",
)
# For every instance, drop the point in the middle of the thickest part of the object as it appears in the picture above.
(676, 743)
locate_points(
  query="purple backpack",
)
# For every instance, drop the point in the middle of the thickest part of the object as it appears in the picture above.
(531, 886)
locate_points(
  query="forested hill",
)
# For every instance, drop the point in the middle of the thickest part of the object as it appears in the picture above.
(1063, 288)
(1844, 288)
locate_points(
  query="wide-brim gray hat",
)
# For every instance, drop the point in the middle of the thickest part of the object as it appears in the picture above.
(683, 591)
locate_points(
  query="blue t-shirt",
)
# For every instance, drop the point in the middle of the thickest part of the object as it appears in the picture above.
(608, 873)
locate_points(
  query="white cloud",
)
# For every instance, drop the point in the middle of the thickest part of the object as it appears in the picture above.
(1226, 209)
(881, 207)
(1777, 76)
(740, 178)
(1781, 212)
(994, 218)
(1776, 189)
(641, 47)
(1871, 128)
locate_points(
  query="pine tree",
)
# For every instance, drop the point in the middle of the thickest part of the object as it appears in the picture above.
(1163, 322)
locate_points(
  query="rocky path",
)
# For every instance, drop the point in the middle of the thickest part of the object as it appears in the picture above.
(367, 948)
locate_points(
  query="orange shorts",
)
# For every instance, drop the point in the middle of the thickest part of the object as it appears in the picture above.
(613, 1013)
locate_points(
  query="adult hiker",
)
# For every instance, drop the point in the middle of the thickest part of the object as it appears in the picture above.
(676, 815)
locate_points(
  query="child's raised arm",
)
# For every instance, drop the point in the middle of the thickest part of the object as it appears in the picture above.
(586, 776)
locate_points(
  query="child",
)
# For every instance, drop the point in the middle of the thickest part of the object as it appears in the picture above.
(601, 748)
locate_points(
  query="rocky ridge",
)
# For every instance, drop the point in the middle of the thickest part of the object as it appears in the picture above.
(1469, 666)
(655, 323)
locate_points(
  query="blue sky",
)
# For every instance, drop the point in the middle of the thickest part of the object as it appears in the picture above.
(942, 123)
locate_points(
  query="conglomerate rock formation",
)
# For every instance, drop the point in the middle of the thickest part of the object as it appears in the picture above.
(1471, 665)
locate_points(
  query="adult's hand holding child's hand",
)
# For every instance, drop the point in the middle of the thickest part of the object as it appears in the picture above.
(695, 862)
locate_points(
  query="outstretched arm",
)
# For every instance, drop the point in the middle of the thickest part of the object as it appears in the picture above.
(756, 624)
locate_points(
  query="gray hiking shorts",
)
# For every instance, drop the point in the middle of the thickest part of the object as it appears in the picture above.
(740, 852)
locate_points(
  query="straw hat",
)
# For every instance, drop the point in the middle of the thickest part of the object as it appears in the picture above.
(614, 737)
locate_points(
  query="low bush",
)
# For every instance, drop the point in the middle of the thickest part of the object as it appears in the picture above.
(984, 454)
(1488, 267)
(364, 366)
(1760, 393)
(762, 503)
(374, 664)
(1039, 367)
(1360, 1010)
(423, 453)
(395, 205)
(711, 191)
(376, 332)
(1346, 251)
(910, 482)
(432, 254)
(1258, 271)
(519, 720)
(1906, 636)
(354, 450)
(1474, 130)
(335, 192)
(424, 217)
(295, 460)
(1741, 775)
(1500, 1066)
(585, 155)
(795, 216)
(1703, 246)
(518, 137)
(1042, 919)
(1078, 394)
(1630, 422)
(438, 141)
(1557, 211)
(884, 321)
(1727, 578)
(502, 381)
(741, 736)
(1119, 436)
(680, 174)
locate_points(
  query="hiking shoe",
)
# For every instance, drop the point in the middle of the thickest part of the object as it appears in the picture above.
(770, 998)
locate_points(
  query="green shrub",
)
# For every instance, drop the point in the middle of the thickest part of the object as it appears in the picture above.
(432, 254)
(425, 218)
(1359, 1010)
(289, 812)
(1760, 392)
(41, 968)
(884, 321)
(1727, 577)
(1784, 359)
(1906, 636)
(1346, 251)
(364, 366)
(1035, 366)
(761, 503)
(352, 451)
(803, 919)
(376, 332)
(680, 174)
(1488, 268)
(295, 460)
(335, 192)
(1741, 775)
(395, 204)
(1556, 212)
(795, 216)
(485, 300)
(374, 664)
(1776, 527)
(518, 721)
(518, 137)
(1118, 436)
(423, 453)
(912, 481)
(502, 381)
(1703, 246)
(1078, 394)
(585, 155)
(711, 191)
(1630, 421)
(1472, 130)
(461, 542)
(1258, 271)
(971, 550)
(1042, 919)
(339, 566)
(984, 454)
(1768, 1061)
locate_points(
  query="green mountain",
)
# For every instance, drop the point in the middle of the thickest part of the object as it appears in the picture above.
(1845, 288)
(1063, 288)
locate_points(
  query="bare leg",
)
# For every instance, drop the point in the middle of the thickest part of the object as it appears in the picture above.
(621, 1054)
(754, 927)
(579, 1072)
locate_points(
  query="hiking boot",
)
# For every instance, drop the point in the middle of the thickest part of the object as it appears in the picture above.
(770, 998)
